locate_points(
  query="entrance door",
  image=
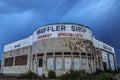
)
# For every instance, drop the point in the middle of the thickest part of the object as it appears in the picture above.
(105, 66)
(40, 64)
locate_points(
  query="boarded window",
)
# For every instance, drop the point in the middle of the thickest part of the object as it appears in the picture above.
(58, 63)
(68, 63)
(9, 61)
(21, 60)
(50, 64)
(76, 62)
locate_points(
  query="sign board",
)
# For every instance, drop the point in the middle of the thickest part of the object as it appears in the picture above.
(62, 30)
(107, 48)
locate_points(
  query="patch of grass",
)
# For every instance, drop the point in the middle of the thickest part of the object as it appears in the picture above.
(80, 75)
(28, 75)
(51, 75)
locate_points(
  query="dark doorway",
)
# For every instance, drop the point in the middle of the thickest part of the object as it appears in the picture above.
(40, 65)
(105, 66)
(40, 62)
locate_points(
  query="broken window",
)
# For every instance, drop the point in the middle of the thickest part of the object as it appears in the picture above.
(58, 63)
(68, 63)
(50, 64)
(76, 62)
(9, 61)
(21, 60)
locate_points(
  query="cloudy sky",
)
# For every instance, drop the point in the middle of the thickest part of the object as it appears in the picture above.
(19, 18)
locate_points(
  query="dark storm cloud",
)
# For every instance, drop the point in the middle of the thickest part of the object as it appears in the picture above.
(16, 6)
(19, 18)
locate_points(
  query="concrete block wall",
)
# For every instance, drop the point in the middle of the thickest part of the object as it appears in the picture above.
(20, 68)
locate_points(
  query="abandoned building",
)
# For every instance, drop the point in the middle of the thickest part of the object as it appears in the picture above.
(59, 47)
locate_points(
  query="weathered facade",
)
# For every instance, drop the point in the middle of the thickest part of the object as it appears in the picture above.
(59, 47)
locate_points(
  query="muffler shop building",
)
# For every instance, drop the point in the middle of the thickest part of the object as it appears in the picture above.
(59, 47)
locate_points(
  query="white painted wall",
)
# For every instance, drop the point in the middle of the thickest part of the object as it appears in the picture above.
(18, 44)
(112, 65)
(102, 45)
(111, 58)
